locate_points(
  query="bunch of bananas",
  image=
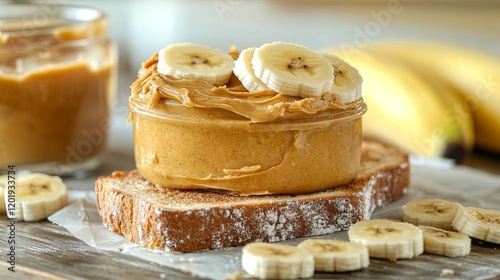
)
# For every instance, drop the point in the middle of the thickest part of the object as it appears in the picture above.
(429, 98)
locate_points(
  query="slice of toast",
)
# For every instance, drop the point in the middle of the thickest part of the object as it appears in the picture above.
(196, 220)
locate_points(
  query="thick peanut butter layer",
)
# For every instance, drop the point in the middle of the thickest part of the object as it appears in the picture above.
(153, 89)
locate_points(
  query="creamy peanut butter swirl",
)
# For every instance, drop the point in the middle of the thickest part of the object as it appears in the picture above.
(152, 88)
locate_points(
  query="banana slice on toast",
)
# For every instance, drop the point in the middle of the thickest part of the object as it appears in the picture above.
(347, 84)
(295, 70)
(286, 68)
(292, 69)
(193, 61)
(243, 70)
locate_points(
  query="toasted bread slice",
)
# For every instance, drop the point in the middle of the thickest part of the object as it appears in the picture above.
(196, 220)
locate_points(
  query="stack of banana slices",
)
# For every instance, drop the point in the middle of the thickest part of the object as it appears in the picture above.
(434, 226)
(284, 68)
(32, 197)
(278, 261)
(447, 226)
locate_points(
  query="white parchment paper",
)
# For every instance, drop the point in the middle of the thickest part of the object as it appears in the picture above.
(439, 180)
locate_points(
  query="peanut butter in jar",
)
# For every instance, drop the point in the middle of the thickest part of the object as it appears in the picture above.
(57, 84)
(190, 133)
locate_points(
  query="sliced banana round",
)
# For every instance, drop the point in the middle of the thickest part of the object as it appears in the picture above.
(388, 239)
(277, 261)
(292, 69)
(431, 212)
(244, 71)
(193, 61)
(347, 83)
(37, 196)
(336, 255)
(444, 242)
(483, 224)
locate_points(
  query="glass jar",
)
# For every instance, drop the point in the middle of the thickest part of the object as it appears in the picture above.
(184, 148)
(57, 86)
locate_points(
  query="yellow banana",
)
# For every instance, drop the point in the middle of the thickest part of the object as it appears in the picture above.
(410, 110)
(475, 76)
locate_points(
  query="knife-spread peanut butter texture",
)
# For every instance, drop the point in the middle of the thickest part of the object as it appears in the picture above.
(55, 97)
(190, 134)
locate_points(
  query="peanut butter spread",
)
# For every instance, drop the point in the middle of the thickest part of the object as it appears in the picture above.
(257, 107)
(52, 123)
(190, 134)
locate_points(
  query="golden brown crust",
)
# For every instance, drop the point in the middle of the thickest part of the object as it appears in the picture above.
(195, 220)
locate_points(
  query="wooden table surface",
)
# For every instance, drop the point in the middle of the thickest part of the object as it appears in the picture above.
(48, 251)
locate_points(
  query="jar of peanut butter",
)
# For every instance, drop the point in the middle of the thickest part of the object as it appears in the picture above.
(57, 84)
(229, 137)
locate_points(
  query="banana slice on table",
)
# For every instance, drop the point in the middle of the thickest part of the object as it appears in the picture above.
(193, 61)
(431, 212)
(37, 196)
(388, 239)
(347, 84)
(292, 69)
(483, 224)
(336, 255)
(277, 261)
(444, 242)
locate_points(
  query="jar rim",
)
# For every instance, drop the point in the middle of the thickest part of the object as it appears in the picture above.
(312, 122)
(56, 21)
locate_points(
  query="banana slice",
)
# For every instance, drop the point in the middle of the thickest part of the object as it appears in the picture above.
(277, 261)
(347, 83)
(292, 69)
(388, 239)
(479, 223)
(192, 61)
(444, 242)
(37, 197)
(431, 212)
(336, 255)
(244, 71)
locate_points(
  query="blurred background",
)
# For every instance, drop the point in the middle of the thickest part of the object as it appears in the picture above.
(141, 28)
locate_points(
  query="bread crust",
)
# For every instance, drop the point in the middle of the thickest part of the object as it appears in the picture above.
(196, 220)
